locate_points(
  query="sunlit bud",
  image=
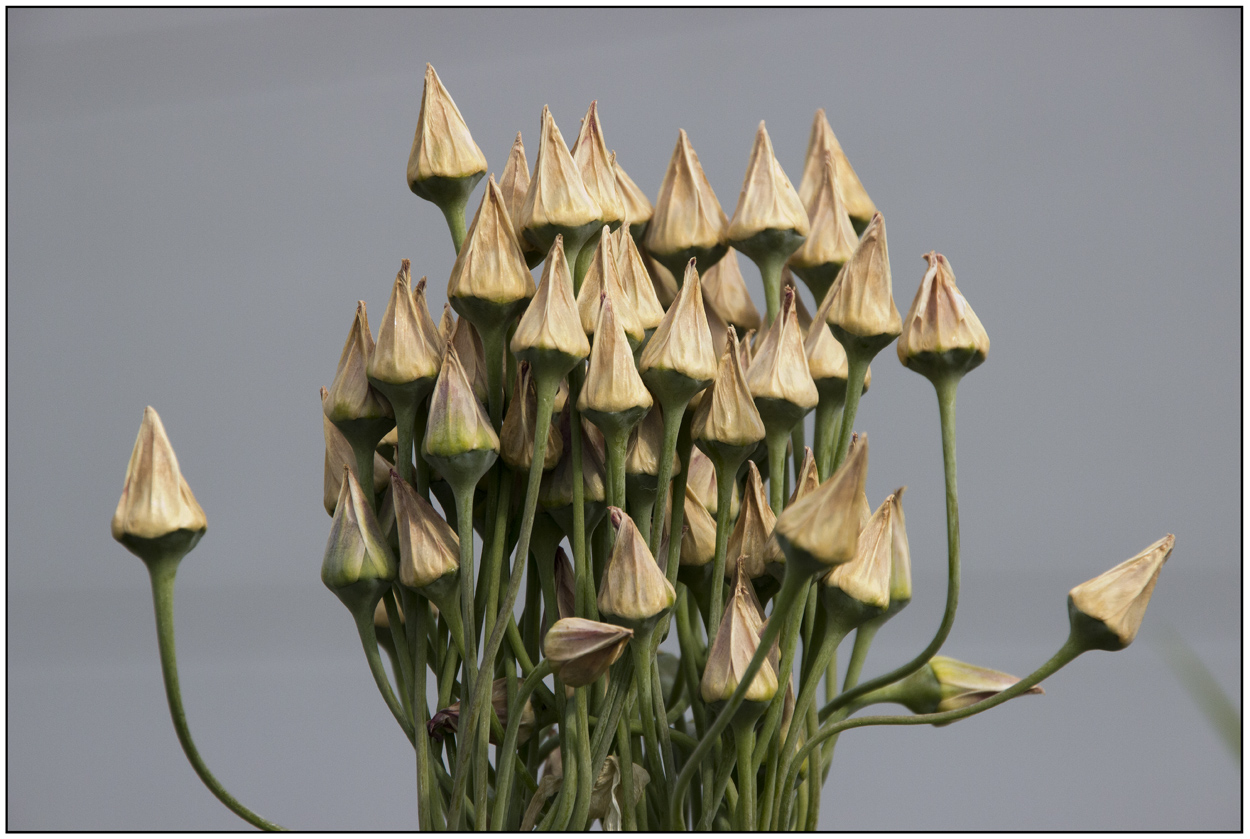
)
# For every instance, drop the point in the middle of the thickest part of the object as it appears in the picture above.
(603, 279)
(727, 415)
(613, 395)
(351, 397)
(442, 149)
(725, 291)
(636, 281)
(557, 200)
(446, 720)
(826, 359)
(428, 547)
(662, 280)
(680, 359)
(736, 641)
(858, 205)
(490, 280)
(550, 333)
(688, 220)
(941, 333)
(1107, 611)
(698, 537)
(457, 424)
(358, 564)
(945, 684)
(832, 239)
(862, 310)
(634, 589)
(823, 527)
(900, 563)
(468, 345)
(779, 379)
(769, 218)
(702, 482)
(446, 325)
(582, 650)
(339, 454)
(645, 445)
(566, 596)
(408, 349)
(865, 580)
(157, 514)
(591, 156)
(754, 527)
(556, 490)
(516, 436)
(638, 209)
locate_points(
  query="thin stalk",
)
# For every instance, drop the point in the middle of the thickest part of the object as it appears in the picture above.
(770, 265)
(646, 711)
(463, 491)
(403, 672)
(672, 412)
(568, 801)
(744, 740)
(776, 440)
(369, 640)
(625, 755)
(684, 447)
(454, 213)
(662, 721)
(422, 473)
(617, 444)
(725, 475)
(581, 809)
(417, 615)
(583, 588)
(712, 804)
(798, 437)
(856, 364)
(503, 779)
(827, 412)
(405, 408)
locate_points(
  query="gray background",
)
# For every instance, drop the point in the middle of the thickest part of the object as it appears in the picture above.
(197, 199)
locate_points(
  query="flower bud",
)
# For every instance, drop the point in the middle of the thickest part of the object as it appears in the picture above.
(468, 344)
(727, 416)
(779, 379)
(688, 220)
(750, 535)
(862, 311)
(613, 396)
(490, 281)
(446, 325)
(603, 279)
(591, 156)
(557, 201)
(429, 549)
(736, 641)
(698, 536)
(770, 219)
(514, 184)
(1106, 612)
(702, 482)
(638, 209)
(516, 437)
(858, 205)
(549, 335)
(744, 349)
(566, 596)
(444, 160)
(900, 562)
(447, 719)
(556, 490)
(662, 280)
(458, 434)
(679, 360)
(582, 650)
(832, 239)
(725, 291)
(945, 684)
(860, 588)
(358, 565)
(807, 481)
(645, 445)
(339, 454)
(635, 281)
(352, 401)
(408, 351)
(634, 590)
(826, 359)
(941, 333)
(157, 514)
(822, 529)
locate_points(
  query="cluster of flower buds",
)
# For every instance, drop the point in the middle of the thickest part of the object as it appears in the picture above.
(635, 403)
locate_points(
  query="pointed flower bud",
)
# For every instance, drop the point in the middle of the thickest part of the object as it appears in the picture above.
(603, 278)
(750, 536)
(634, 590)
(725, 291)
(428, 547)
(826, 359)
(635, 281)
(339, 454)
(156, 503)
(516, 436)
(557, 200)
(808, 480)
(832, 239)
(680, 360)
(858, 205)
(745, 351)
(945, 684)
(457, 425)
(442, 148)
(900, 562)
(582, 650)
(1107, 611)
(468, 344)
(862, 310)
(698, 537)
(566, 597)
(688, 220)
(408, 349)
(769, 218)
(638, 209)
(779, 379)
(941, 332)
(550, 334)
(358, 564)
(490, 280)
(613, 395)
(720, 337)
(736, 641)
(591, 156)
(514, 184)
(727, 415)
(823, 528)
(351, 397)
(702, 482)
(865, 580)
(446, 325)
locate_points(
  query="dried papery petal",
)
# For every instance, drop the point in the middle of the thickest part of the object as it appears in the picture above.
(725, 291)
(612, 385)
(603, 278)
(767, 201)
(633, 589)
(941, 332)
(900, 563)
(858, 205)
(472, 356)
(824, 526)
(1107, 611)
(737, 638)
(591, 156)
(680, 359)
(702, 482)
(550, 330)
(514, 185)
(428, 547)
(645, 443)
(339, 454)
(490, 268)
(156, 500)
(866, 578)
(687, 215)
(557, 196)
(566, 597)
(750, 535)
(446, 325)
(698, 537)
(832, 239)
(662, 280)
(862, 309)
(635, 281)
(446, 720)
(727, 415)
(779, 367)
(408, 349)
(351, 397)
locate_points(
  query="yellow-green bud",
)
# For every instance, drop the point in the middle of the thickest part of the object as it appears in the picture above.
(1106, 612)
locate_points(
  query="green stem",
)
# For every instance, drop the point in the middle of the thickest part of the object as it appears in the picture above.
(453, 211)
(685, 445)
(671, 411)
(585, 780)
(403, 661)
(744, 740)
(625, 756)
(725, 474)
(617, 443)
(369, 640)
(827, 412)
(162, 571)
(856, 364)
(503, 779)
(663, 720)
(422, 473)
(646, 712)
(770, 265)
(798, 436)
(463, 491)
(776, 440)
(583, 588)
(416, 615)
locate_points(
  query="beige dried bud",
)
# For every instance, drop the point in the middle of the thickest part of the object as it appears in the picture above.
(808, 480)
(442, 147)
(358, 562)
(832, 239)
(590, 154)
(446, 325)
(550, 333)
(941, 333)
(645, 444)
(156, 500)
(727, 415)
(613, 393)
(468, 344)
(428, 547)
(688, 220)
(862, 310)
(582, 650)
(1107, 611)
(635, 281)
(858, 205)
(351, 397)
(737, 639)
(749, 540)
(634, 590)
(490, 270)
(767, 201)
(719, 330)
(556, 490)
(725, 291)
(744, 350)
(514, 185)
(603, 279)
(408, 348)
(339, 454)
(866, 578)
(557, 196)
(823, 528)
(698, 537)
(702, 482)
(638, 209)
(457, 424)
(662, 280)
(516, 436)
(826, 359)
(900, 562)
(680, 359)
(779, 379)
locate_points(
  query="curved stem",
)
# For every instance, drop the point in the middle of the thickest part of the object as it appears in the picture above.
(684, 447)
(463, 491)
(856, 364)
(162, 572)
(416, 615)
(369, 640)
(403, 660)
(646, 712)
(581, 809)
(453, 211)
(503, 779)
(583, 588)
(671, 411)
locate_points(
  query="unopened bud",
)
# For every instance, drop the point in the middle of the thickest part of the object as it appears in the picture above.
(358, 564)
(458, 427)
(582, 650)
(516, 436)
(490, 281)
(636, 281)
(737, 639)
(351, 399)
(634, 590)
(688, 220)
(1107, 611)
(680, 360)
(750, 535)
(945, 684)
(941, 333)
(823, 528)
(725, 292)
(603, 280)
(429, 549)
(832, 238)
(549, 335)
(862, 312)
(613, 396)
(860, 589)
(779, 379)
(590, 154)
(770, 220)
(444, 159)
(408, 351)
(727, 416)
(858, 205)
(557, 201)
